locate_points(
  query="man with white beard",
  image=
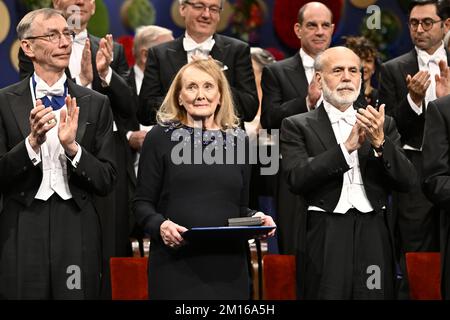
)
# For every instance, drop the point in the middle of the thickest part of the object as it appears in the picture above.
(344, 162)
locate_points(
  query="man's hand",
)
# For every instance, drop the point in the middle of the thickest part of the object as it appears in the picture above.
(68, 126)
(86, 74)
(418, 85)
(137, 139)
(314, 94)
(356, 138)
(372, 121)
(104, 56)
(42, 119)
(442, 80)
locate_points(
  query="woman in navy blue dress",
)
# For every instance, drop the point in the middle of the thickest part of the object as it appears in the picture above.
(193, 173)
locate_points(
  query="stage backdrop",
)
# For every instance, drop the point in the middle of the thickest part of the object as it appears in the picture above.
(263, 23)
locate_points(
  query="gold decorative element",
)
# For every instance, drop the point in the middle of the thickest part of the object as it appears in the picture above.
(362, 4)
(5, 21)
(14, 54)
(224, 15)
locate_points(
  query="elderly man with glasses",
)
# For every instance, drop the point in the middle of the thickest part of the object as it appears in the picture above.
(56, 146)
(200, 41)
(408, 84)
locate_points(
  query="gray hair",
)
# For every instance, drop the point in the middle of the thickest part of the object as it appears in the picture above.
(318, 62)
(261, 56)
(320, 59)
(24, 27)
(183, 1)
(146, 36)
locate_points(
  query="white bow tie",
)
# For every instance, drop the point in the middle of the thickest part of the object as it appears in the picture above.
(42, 89)
(190, 45)
(335, 116)
(80, 38)
(436, 57)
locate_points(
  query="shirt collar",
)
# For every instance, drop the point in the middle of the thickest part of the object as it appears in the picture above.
(307, 60)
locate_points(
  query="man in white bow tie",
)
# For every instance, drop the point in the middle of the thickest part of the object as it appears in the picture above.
(344, 163)
(200, 41)
(56, 151)
(100, 64)
(289, 88)
(407, 84)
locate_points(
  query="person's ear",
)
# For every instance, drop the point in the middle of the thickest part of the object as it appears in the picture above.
(298, 30)
(93, 7)
(143, 54)
(318, 79)
(27, 48)
(56, 4)
(447, 25)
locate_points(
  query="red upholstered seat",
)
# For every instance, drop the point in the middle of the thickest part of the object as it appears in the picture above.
(424, 275)
(129, 278)
(279, 277)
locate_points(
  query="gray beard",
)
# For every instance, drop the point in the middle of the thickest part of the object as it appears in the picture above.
(335, 99)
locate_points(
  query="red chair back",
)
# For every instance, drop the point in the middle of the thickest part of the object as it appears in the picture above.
(424, 275)
(279, 277)
(129, 278)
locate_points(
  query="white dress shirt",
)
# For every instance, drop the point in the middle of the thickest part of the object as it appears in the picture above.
(198, 49)
(308, 65)
(52, 155)
(428, 63)
(75, 60)
(353, 194)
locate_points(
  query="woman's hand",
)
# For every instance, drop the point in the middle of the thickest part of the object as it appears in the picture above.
(171, 234)
(266, 221)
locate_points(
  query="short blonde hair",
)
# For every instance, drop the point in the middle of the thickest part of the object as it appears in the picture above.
(171, 111)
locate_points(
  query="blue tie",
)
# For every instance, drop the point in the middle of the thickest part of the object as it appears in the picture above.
(56, 102)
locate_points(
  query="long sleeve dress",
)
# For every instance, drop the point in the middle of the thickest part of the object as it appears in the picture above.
(193, 195)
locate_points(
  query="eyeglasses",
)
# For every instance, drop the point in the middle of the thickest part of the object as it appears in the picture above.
(198, 6)
(426, 24)
(55, 37)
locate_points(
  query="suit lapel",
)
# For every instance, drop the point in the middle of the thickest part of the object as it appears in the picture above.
(21, 103)
(83, 102)
(297, 76)
(363, 156)
(321, 126)
(220, 49)
(96, 82)
(176, 55)
(410, 65)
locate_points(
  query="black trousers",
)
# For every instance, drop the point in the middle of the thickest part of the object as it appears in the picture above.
(348, 256)
(50, 250)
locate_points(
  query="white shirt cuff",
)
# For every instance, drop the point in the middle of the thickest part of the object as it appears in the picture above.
(34, 157)
(107, 80)
(77, 157)
(78, 81)
(129, 133)
(414, 106)
(347, 156)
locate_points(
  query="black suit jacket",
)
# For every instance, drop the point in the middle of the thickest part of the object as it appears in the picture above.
(118, 91)
(314, 164)
(393, 92)
(436, 174)
(166, 59)
(314, 167)
(95, 173)
(285, 88)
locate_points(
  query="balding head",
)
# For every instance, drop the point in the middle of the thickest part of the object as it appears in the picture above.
(314, 28)
(312, 6)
